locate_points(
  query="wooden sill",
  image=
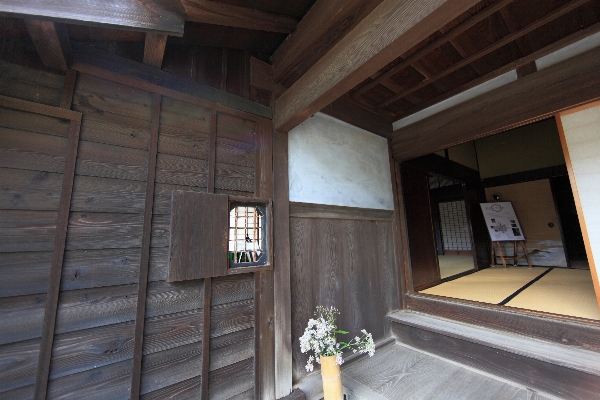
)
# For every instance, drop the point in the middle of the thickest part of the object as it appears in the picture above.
(565, 330)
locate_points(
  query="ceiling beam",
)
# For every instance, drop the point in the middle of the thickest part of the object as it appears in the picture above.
(537, 96)
(165, 16)
(215, 13)
(345, 110)
(325, 24)
(487, 50)
(52, 43)
(447, 36)
(566, 41)
(392, 28)
(154, 49)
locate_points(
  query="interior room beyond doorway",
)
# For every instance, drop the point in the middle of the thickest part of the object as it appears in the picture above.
(524, 166)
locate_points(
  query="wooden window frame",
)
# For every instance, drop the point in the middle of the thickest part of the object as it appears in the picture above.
(268, 203)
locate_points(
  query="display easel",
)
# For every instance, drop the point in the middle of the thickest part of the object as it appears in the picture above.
(515, 257)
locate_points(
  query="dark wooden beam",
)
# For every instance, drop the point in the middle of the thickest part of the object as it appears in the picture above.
(52, 43)
(154, 49)
(537, 96)
(96, 62)
(217, 13)
(167, 16)
(323, 26)
(347, 111)
(447, 36)
(487, 50)
(392, 28)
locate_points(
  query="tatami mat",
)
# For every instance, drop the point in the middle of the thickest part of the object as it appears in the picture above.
(491, 285)
(561, 291)
(453, 265)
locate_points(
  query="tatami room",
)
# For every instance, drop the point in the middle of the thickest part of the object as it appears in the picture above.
(525, 167)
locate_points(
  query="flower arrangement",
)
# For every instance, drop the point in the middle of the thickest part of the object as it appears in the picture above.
(320, 337)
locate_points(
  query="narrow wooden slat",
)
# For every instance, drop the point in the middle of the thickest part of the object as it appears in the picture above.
(494, 46)
(281, 268)
(154, 49)
(206, 337)
(145, 253)
(311, 210)
(68, 89)
(17, 104)
(212, 154)
(398, 226)
(264, 345)
(52, 43)
(217, 13)
(41, 381)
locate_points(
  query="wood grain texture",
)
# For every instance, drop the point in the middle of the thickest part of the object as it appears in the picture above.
(232, 380)
(548, 378)
(199, 231)
(24, 273)
(325, 24)
(127, 72)
(281, 271)
(26, 121)
(210, 12)
(231, 317)
(69, 88)
(154, 49)
(348, 264)
(145, 250)
(30, 84)
(18, 364)
(210, 184)
(186, 390)
(324, 211)
(231, 348)
(50, 314)
(29, 190)
(31, 151)
(399, 229)
(574, 80)
(159, 15)
(562, 330)
(390, 29)
(52, 43)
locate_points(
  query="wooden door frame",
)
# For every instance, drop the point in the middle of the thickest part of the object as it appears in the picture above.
(564, 330)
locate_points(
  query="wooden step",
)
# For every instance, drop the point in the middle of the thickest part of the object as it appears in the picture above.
(558, 370)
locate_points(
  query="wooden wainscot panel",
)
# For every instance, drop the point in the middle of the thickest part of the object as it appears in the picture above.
(199, 231)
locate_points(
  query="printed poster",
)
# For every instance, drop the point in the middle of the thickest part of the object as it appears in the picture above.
(501, 221)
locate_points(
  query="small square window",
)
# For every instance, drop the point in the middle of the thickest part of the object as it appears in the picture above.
(249, 239)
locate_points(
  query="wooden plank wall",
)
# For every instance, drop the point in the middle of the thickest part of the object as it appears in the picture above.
(94, 336)
(342, 257)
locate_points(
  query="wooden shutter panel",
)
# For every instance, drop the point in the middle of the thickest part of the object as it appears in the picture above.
(199, 233)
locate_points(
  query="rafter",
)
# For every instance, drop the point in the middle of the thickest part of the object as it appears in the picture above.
(436, 43)
(212, 12)
(573, 38)
(502, 42)
(52, 43)
(392, 28)
(154, 49)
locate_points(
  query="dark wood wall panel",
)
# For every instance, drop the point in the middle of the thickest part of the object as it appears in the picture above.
(33, 148)
(31, 85)
(94, 338)
(344, 263)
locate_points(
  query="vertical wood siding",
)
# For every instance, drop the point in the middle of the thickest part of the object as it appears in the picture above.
(344, 263)
(94, 336)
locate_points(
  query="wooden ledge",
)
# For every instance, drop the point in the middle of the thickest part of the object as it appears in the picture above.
(553, 353)
(311, 210)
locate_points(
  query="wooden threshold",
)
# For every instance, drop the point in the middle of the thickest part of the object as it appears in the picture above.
(564, 330)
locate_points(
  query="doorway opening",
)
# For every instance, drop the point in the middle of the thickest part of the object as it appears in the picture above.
(526, 167)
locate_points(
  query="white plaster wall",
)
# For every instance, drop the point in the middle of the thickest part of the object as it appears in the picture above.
(582, 137)
(332, 162)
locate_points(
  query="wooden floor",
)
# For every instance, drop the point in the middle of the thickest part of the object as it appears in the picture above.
(400, 372)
